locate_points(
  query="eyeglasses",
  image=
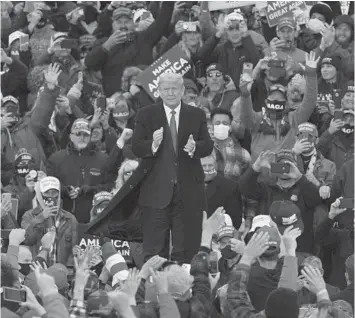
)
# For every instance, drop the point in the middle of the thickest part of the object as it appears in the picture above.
(81, 134)
(233, 28)
(216, 74)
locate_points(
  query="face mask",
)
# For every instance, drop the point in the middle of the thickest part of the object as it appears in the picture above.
(275, 109)
(25, 268)
(23, 171)
(210, 174)
(221, 132)
(227, 252)
(347, 129)
(121, 116)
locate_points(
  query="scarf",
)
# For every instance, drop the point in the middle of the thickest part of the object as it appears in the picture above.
(311, 163)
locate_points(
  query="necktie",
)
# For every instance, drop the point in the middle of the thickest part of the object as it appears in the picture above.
(173, 129)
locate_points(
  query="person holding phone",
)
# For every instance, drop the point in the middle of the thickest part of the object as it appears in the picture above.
(287, 183)
(48, 215)
(19, 47)
(339, 238)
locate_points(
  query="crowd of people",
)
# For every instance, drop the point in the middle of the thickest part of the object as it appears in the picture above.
(234, 190)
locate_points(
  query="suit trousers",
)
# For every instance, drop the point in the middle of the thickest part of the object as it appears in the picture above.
(157, 224)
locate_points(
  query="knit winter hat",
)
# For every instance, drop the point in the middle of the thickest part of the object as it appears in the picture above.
(333, 60)
(323, 9)
(340, 19)
(114, 261)
(281, 303)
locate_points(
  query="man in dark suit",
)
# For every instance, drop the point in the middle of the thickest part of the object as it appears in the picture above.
(221, 192)
(173, 137)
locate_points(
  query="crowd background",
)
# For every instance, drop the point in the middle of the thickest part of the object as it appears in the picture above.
(283, 243)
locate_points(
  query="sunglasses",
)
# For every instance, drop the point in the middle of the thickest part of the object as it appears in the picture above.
(231, 28)
(82, 134)
(217, 74)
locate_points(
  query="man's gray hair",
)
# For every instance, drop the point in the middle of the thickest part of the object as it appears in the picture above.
(171, 77)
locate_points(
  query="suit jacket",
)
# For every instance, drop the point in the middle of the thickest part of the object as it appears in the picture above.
(225, 192)
(121, 215)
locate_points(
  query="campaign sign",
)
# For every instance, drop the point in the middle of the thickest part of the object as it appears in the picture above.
(173, 61)
(276, 10)
(223, 5)
(85, 240)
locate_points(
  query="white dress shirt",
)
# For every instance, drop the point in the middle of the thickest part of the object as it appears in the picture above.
(177, 115)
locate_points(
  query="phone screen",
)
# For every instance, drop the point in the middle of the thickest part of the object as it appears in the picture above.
(338, 114)
(101, 103)
(15, 294)
(346, 203)
(213, 263)
(280, 168)
(24, 39)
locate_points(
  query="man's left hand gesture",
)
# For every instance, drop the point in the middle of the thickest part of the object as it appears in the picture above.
(311, 60)
(190, 146)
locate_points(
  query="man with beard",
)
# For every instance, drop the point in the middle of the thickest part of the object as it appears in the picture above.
(49, 216)
(275, 127)
(337, 143)
(126, 47)
(291, 185)
(81, 170)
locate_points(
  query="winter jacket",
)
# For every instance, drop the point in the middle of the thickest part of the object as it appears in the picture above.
(85, 169)
(18, 189)
(337, 147)
(301, 114)
(199, 305)
(347, 294)
(14, 82)
(67, 237)
(341, 242)
(304, 194)
(113, 63)
(27, 134)
(231, 59)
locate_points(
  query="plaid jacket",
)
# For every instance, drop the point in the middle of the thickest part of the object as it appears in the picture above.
(232, 159)
(77, 309)
(239, 304)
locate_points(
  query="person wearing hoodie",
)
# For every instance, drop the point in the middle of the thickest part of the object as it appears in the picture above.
(81, 171)
(337, 142)
(126, 47)
(220, 90)
(339, 40)
(238, 49)
(310, 38)
(275, 128)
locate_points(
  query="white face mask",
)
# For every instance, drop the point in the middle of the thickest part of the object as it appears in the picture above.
(221, 132)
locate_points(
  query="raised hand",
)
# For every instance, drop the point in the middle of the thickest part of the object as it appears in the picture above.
(131, 284)
(158, 137)
(294, 171)
(50, 211)
(301, 145)
(256, 247)
(211, 225)
(289, 239)
(190, 146)
(314, 279)
(48, 239)
(335, 210)
(311, 60)
(45, 282)
(328, 36)
(17, 236)
(264, 160)
(179, 27)
(52, 74)
(126, 135)
(160, 280)
(153, 263)
(324, 192)
(335, 126)
(276, 43)
(116, 38)
(32, 302)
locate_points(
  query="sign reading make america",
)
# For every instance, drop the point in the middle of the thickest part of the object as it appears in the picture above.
(173, 61)
(276, 10)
